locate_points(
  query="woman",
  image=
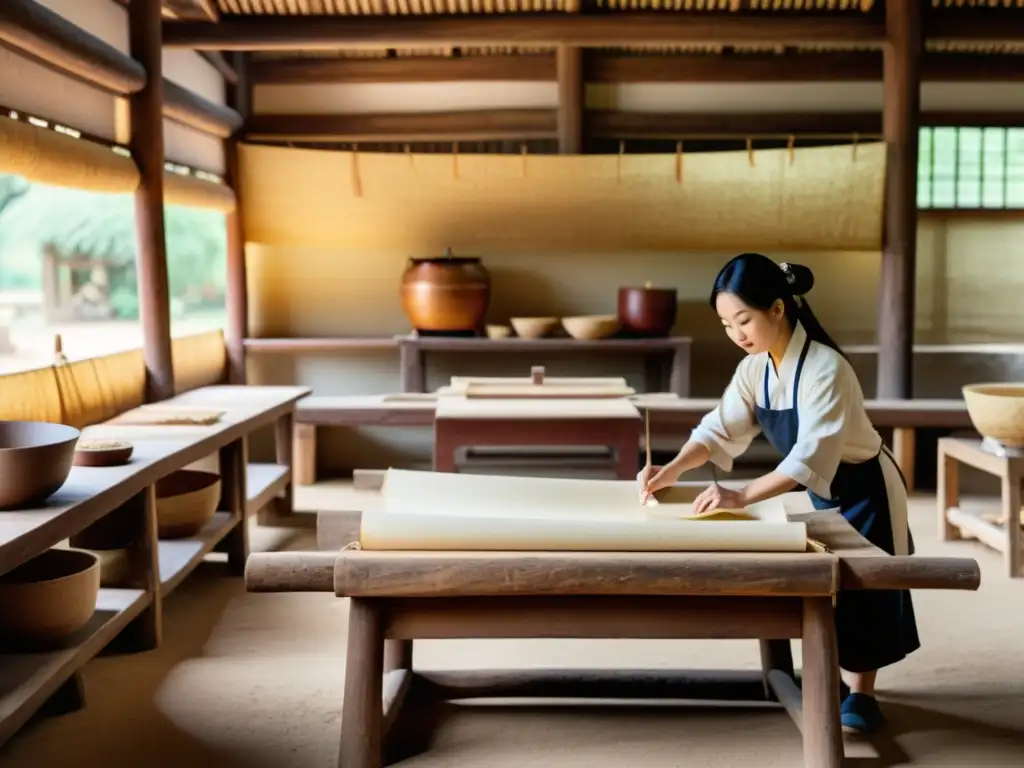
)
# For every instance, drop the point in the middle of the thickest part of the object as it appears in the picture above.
(797, 388)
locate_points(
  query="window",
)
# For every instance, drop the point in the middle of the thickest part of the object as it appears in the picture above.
(67, 268)
(971, 168)
(197, 253)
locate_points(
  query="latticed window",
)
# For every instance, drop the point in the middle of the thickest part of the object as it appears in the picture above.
(971, 168)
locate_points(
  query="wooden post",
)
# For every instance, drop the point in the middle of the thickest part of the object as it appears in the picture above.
(147, 148)
(569, 65)
(901, 122)
(239, 97)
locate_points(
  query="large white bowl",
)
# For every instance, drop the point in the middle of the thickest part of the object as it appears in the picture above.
(997, 411)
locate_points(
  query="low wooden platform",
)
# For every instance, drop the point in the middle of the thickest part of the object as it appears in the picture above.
(122, 498)
(671, 417)
(397, 597)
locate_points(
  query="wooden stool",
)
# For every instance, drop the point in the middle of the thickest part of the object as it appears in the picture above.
(1003, 535)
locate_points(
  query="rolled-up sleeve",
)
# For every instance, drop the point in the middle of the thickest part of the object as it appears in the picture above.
(823, 405)
(728, 430)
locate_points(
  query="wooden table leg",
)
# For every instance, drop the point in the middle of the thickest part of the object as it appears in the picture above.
(948, 494)
(304, 454)
(411, 363)
(903, 450)
(233, 499)
(1011, 498)
(822, 733)
(362, 709)
(284, 434)
(775, 654)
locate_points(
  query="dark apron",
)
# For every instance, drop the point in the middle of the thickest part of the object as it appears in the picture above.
(875, 628)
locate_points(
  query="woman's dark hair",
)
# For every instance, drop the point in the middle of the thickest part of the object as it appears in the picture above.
(760, 282)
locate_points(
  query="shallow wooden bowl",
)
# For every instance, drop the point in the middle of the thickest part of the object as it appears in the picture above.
(35, 461)
(49, 598)
(102, 453)
(997, 411)
(589, 327)
(533, 327)
(186, 501)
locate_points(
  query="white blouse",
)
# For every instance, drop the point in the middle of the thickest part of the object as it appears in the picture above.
(834, 426)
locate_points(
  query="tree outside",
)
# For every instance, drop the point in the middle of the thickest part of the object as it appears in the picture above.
(67, 266)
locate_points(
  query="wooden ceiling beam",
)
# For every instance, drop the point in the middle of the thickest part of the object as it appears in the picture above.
(33, 29)
(616, 68)
(525, 124)
(216, 60)
(482, 125)
(619, 29)
(407, 69)
(189, 108)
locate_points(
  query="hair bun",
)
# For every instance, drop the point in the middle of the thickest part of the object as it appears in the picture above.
(799, 278)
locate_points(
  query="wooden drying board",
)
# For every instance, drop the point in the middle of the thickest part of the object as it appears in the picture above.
(397, 597)
(168, 415)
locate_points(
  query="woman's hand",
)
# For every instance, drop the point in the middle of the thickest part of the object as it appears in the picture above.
(716, 497)
(653, 479)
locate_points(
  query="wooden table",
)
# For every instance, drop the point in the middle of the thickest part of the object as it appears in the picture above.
(671, 354)
(1003, 533)
(462, 422)
(93, 496)
(397, 597)
(671, 417)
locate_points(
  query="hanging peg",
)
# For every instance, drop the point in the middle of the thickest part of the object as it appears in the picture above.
(750, 152)
(618, 161)
(679, 162)
(525, 152)
(791, 147)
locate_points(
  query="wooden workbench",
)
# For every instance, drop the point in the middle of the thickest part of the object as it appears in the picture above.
(671, 417)
(397, 597)
(92, 495)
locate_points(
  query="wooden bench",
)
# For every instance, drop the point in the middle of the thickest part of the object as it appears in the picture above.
(671, 417)
(398, 597)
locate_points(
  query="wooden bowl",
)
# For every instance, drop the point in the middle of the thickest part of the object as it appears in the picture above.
(35, 461)
(997, 411)
(186, 500)
(534, 327)
(102, 453)
(591, 326)
(498, 331)
(49, 598)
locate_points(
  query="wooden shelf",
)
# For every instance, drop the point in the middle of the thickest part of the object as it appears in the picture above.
(179, 557)
(296, 346)
(262, 483)
(27, 680)
(547, 344)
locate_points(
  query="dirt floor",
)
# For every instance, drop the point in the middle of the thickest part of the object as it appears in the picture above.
(256, 680)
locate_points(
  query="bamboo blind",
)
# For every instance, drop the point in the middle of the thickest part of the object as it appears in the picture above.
(48, 157)
(807, 198)
(197, 193)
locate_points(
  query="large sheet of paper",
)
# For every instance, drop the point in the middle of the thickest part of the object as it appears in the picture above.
(448, 511)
